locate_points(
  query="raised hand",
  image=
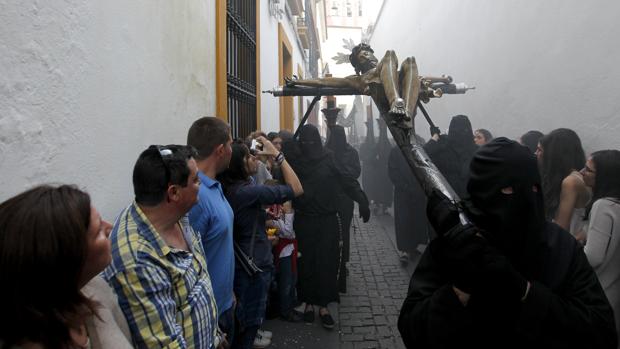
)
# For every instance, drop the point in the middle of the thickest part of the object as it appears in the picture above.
(442, 213)
(268, 147)
(364, 213)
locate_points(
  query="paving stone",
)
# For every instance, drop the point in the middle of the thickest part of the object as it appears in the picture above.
(364, 330)
(388, 343)
(380, 320)
(347, 310)
(345, 329)
(384, 331)
(370, 337)
(352, 338)
(367, 345)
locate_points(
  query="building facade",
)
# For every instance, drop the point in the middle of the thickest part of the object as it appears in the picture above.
(289, 46)
(86, 85)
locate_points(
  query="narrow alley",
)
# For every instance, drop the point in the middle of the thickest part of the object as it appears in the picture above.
(368, 312)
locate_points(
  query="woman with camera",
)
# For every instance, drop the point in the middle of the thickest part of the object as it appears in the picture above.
(254, 261)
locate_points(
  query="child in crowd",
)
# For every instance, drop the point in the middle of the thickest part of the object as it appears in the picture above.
(281, 219)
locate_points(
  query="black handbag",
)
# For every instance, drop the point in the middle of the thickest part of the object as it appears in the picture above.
(247, 262)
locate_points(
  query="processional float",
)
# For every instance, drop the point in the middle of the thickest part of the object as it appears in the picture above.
(398, 93)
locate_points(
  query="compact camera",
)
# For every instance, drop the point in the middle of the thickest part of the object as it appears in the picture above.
(256, 145)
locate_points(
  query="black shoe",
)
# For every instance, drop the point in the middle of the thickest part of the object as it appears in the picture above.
(327, 320)
(295, 316)
(309, 316)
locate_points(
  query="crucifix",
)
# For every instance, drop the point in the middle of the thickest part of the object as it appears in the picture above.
(398, 94)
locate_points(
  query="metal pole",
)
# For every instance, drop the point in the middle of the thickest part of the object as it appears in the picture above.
(434, 129)
(303, 121)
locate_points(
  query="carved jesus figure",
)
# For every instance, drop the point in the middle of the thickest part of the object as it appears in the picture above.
(394, 91)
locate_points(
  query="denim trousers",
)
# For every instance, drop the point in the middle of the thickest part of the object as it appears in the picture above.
(286, 281)
(251, 294)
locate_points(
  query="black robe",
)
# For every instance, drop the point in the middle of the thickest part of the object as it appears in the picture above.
(318, 227)
(369, 163)
(348, 163)
(384, 195)
(452, 160)
(410, 223)
(565, 308)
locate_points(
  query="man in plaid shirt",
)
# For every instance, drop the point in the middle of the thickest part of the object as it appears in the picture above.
(158, 268)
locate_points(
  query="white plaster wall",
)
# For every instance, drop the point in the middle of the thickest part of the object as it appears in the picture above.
(270, 65)
(536, 64)
(85, 86)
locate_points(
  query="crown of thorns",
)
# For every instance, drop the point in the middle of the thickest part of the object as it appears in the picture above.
(355, 51)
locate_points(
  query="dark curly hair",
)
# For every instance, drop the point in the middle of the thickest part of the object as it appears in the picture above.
(353, 56)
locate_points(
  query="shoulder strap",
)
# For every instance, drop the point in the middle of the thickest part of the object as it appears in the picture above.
(254, 229)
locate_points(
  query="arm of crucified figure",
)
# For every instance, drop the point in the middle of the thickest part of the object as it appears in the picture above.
(348, 82)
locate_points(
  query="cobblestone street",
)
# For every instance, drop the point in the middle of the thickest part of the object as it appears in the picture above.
(368, 313)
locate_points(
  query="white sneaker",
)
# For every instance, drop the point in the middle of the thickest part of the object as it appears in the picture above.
(265, 333)
(261, 342)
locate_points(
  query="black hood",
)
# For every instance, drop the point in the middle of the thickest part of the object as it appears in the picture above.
(310, 142)
(511, 222)
(460, 134)
(337, 141)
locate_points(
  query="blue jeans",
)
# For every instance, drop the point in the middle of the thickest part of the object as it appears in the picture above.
(286, 280)
(251, 294)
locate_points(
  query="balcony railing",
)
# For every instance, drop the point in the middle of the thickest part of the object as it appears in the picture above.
(302, 32)
(296, 7)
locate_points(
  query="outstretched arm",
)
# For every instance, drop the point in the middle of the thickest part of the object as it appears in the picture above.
(348, 82)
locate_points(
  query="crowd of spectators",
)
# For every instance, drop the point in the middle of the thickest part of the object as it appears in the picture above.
(189, 263)
(222, 230)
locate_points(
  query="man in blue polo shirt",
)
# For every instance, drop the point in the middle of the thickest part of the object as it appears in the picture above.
(212, 216)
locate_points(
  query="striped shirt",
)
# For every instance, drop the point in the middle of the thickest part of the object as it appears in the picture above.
(165, 293)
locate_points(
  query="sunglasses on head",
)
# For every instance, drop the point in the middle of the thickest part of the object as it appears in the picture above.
(167, 152)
